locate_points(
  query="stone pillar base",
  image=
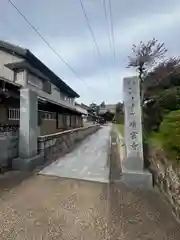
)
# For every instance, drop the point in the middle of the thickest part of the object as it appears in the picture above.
(137, 179)
(27, 164)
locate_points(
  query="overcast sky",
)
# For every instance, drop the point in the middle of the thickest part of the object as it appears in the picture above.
(63, 24)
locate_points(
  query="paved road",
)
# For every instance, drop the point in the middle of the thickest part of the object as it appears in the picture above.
(89, 161)
(53, 208)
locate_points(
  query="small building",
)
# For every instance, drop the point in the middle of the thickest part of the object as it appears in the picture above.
(34, 102)
(88, 114)
(83, 110)
(108, 112)
(21, 69)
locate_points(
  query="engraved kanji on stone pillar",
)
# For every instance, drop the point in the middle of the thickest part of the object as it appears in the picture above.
(133, 125)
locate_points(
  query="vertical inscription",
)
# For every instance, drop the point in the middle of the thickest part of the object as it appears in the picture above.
(133, 127)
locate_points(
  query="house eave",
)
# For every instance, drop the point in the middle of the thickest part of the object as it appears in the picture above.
(36, 63)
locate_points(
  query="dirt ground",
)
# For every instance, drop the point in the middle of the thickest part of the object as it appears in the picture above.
(53, 208)
(44, 207)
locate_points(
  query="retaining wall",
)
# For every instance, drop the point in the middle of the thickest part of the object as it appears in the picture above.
(167, 177)
(63, 142)
(8, 148)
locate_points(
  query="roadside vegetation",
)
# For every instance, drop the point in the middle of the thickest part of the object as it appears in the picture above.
(121, 129)
(160, 96)
(119, 117)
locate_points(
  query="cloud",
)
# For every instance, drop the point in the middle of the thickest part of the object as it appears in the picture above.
(62, 23)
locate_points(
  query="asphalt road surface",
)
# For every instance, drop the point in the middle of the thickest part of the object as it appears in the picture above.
(87, 162)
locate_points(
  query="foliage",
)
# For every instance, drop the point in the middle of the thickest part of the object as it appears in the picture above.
(121, 129)
(102, 105)
(162, 92)
(145, 56)
(163, 102)
(119, 116)
(164, 75)
(169, 133)
(95, 108)
(119, 107)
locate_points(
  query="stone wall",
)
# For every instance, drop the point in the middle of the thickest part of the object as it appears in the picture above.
(8, 148)
(167, 176)
(63, 142)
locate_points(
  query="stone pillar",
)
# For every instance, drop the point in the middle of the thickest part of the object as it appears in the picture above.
(28, 131)
(28, 123)
(133, 173)
(133, 125)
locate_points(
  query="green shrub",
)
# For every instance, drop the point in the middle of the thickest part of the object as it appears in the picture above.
(169, 133)
(165, 101)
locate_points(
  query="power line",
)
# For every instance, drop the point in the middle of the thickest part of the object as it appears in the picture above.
(112, 29)
(106, 19)
(43, 38)
(91, 31)
(90, 28)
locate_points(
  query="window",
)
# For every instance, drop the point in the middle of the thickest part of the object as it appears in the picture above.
(13, 114)
(47, 87)
(48, 115)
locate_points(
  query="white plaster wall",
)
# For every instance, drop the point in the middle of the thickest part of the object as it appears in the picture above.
(6, 58)
(57, 95)
(54, 97)
(81, 110)
(36, 84)
(35, 81)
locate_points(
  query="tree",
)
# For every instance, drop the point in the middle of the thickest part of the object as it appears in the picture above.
(102, 105)
(145, 56)
(162, 92)
(119, 112)
(119, 107)
(94, 107)
(165, 75)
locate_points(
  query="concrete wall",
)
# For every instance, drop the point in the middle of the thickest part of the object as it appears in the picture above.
(63, 142)
(20, 78)
(8, 148)
(6, 58)
(35, 81)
